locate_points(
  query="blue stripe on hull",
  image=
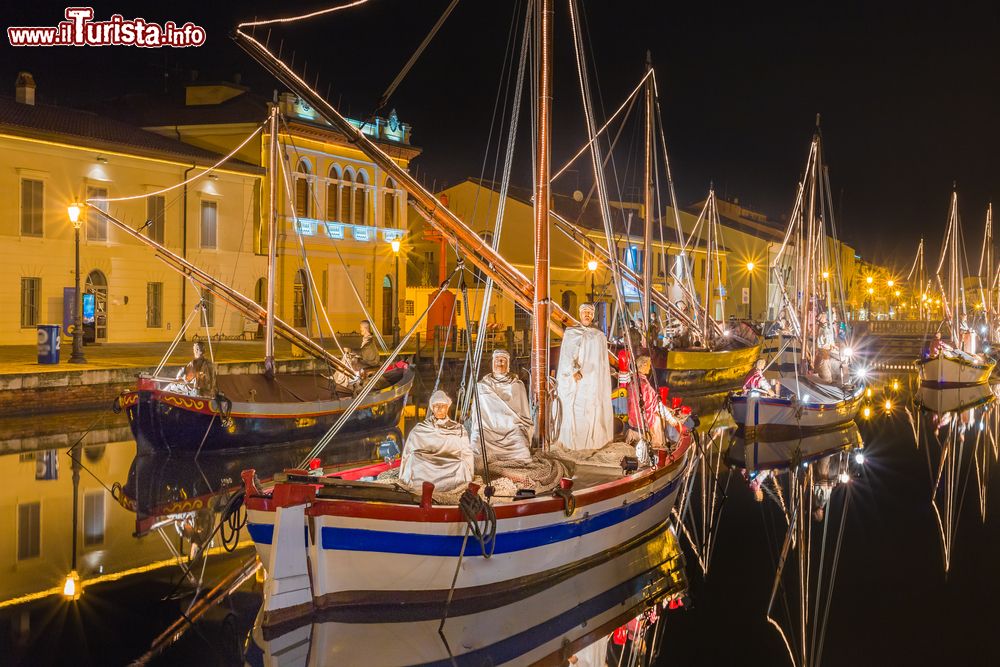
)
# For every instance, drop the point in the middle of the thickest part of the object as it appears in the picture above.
(359, 539)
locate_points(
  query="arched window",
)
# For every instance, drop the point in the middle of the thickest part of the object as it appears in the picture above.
(260, 291)
(345, 196)
(300, 300)
(569, 301)
(333, 195)
(302, 203)
(360, 209)
(389, 213)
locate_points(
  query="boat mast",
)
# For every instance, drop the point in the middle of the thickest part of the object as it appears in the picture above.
(540, 303)
(647, 245)
(272, 238)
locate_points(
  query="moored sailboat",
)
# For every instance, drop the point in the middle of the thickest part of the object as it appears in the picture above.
(819, 390)
(949, 365)
(384, 548)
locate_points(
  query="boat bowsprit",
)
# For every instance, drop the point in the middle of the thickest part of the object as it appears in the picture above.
(374, 548)
(253, 410)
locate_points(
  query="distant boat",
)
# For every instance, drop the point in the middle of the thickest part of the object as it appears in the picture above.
(806, 400)
(958, 365)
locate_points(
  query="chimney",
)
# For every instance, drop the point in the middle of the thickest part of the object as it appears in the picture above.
(25, 88)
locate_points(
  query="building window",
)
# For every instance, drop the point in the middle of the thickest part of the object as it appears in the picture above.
(209, 225)
(390, 213)
(97, 226)
(29, 530)
(302, 190)
(93, 518)
(458, 309)
(300, 299)
(32, 193)
(409, 307)
(154, 305)
(156, 212)
(345, 197)
(360, 209)
(333, 196)
(569, 301)
(208, 299)
(31, 300)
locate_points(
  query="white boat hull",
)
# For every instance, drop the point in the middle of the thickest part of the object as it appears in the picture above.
(944, 371)
(754, 412)
(400, 560)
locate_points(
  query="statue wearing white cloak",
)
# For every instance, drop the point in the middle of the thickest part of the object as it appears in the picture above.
(502, 408)
(583, 386)
(437, 450)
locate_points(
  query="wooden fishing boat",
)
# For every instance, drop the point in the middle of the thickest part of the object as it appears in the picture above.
(804, 404)
(758, 453)
(954, 368)
(827, 397)
(372, 549)
(356, 548)
(961, 365)
(254, 411)
(704, 371)
(545, 628)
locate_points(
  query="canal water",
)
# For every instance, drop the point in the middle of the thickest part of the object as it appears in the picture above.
(909, 579)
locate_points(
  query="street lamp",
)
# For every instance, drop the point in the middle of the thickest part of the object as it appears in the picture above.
(869, 280)
(750, 267)
(395, 302)
(592, 267)
(77, 356)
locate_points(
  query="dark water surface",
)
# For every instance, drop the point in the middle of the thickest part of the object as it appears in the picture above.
(892, 604)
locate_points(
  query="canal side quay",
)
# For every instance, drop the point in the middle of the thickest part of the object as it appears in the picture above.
(30, 388)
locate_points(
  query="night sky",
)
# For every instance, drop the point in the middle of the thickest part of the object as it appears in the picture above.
(907, 92)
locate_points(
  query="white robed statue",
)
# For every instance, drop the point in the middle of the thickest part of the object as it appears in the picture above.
(502, 408)
(583, 386)
(437, 450)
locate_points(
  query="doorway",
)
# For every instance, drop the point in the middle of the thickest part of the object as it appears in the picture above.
(387, 303)
(97, 284)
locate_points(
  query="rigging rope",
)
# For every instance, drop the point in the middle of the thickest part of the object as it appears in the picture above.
(192, 179)
(375, 377)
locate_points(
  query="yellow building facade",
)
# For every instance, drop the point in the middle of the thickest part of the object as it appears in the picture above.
(571, 282)
(51, 157)
(337, 212)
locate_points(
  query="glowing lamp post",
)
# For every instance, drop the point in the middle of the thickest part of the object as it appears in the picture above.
(592, 267)
(395, 302)
(750, 268)
(77, 356)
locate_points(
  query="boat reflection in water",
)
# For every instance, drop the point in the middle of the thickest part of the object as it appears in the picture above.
(167, 488)
(616, 604)
(808, 480)
(957, 428)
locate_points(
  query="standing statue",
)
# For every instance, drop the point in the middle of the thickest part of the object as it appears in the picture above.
(583, 386)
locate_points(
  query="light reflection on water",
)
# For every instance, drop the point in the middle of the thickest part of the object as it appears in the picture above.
(133, 548)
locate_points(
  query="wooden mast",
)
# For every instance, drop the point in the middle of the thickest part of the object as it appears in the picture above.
(647, 246)
(272, 238)
(540, 303)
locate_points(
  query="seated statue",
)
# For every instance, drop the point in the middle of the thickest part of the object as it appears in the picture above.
(501, 408)
(437, 450)
(197, 377)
